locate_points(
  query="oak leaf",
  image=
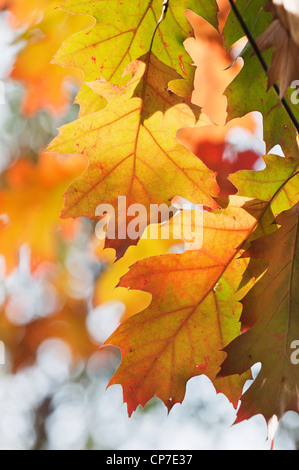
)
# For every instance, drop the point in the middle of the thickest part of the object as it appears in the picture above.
(213, 70)
(122, 32)
(270, 325)
(224, 149)
(132, 143)
(282, 35)
(193, 314)
(278, 178)
(106, 287)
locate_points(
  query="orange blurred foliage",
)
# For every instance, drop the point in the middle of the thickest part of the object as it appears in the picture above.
(31, 201)
(47, 86)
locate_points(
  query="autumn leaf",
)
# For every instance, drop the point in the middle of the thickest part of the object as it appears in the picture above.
(277, 178)
(139, 373)
(193, 315)
(122, 33)
(140, 135)
(132, 142)
(213, 68)
(270, 325)
(282, 35)
(222, 150)
(255, 16)
(106, 287)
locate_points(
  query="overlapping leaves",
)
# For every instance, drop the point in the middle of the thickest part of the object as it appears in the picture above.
(270, 313)
(193, 315)
(132, 151)
(122, 33)
(132, 142)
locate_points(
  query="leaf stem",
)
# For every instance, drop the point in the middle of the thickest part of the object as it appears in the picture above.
(263, 62)
(163, 14)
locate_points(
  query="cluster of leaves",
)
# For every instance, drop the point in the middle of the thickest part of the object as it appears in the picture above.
(219, 308)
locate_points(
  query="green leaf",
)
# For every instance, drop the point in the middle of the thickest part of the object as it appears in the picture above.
(248, 92)
(122, 32)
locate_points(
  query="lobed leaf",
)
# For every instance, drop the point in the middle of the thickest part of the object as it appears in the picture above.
(270, 323)
(132, 143)
(193, 315)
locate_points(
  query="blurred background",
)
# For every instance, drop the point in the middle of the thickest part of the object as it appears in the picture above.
(58, 295)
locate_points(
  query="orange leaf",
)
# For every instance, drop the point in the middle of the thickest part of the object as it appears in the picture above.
(193, 315)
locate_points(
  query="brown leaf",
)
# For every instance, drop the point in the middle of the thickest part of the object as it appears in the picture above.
(283, 36)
